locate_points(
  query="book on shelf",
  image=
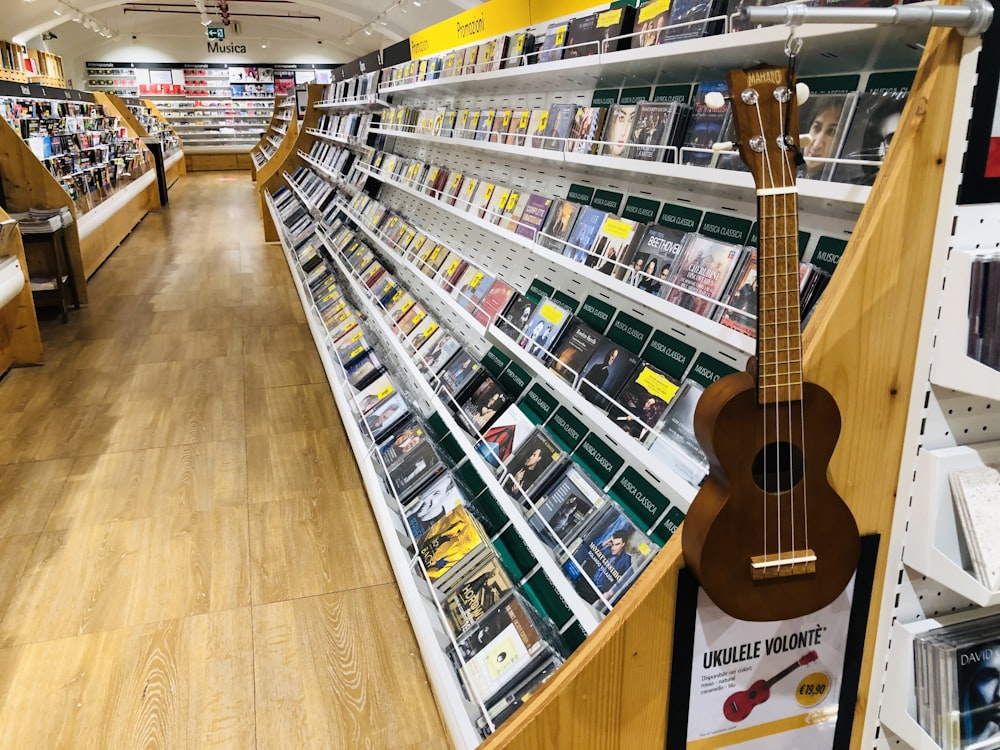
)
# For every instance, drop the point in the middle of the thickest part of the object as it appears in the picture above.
(613, 244)
(872, 127)
(513, 322)
(617, 129)
(558, 125)
(558, 224)
(824, 118)
(452, 546)
(483, 405)
(565, 507)
(588, 123)
(706, 126)
(583, 236)
(651, 23)
(956, 668)
(650, 259)
(544, 328)
(673, 440)
(504, 436)
(642, 400)
(483, 589)
(386, 416)
(505, 645)
(493, 302)
(684, 17)
(975, 492)
(581, 37)
(574, 350)
(460, 374)
(552, 44)
(531, 467)
(532, 219)
(611, 553)
(413, 470)
(432, 503)
(537, 123)
(604, 374)
(741, 313)
(702, 272)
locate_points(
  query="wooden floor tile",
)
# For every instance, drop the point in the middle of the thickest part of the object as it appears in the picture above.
(29, 493)
(169, 347)
(304, 465)
(176, 685)
(277, 339)
(196, 377)
(204, 319)
(164, 420)
(160, 481)
(328, 677)
(17, 552)
(272, 411)
(115, 575)
(283, 368)
(304, 547)
(40, 435)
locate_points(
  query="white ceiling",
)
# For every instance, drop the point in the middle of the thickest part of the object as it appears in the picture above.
(282, 22)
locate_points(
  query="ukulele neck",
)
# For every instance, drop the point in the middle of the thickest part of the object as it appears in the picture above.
(779, 333)
(782, 674)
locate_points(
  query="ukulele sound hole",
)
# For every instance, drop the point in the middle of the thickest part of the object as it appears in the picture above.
(778, 467)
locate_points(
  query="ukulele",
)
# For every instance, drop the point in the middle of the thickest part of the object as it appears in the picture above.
(766, 536)
(739, 705)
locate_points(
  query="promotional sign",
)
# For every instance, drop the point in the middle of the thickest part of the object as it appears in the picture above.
(766, 685)
(772, 685)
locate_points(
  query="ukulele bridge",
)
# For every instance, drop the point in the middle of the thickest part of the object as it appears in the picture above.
(783, 565)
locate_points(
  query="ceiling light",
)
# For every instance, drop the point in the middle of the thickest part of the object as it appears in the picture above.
(57, 11)
(368, 31)
(263, 44)
(382, 21)
(417, 3)
(206, 21)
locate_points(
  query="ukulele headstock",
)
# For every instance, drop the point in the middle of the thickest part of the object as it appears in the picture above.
(765, 113)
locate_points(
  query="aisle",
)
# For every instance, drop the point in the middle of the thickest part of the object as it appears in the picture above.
(187, 557)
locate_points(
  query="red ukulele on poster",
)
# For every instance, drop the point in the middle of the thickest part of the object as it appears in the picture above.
(739, 705)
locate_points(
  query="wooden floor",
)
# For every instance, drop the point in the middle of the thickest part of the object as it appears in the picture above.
(187, 556)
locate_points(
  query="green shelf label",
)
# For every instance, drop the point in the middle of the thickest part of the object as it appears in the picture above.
(494, 361)
(669, 354)
(564, 299)
(641, 210)
(828, 252)
(538, 289)
(708, 369)
(538, 403)
(604, 98)
(566, 428)
(581, 194)
(635, 95)
(516, 556)
(733, 229)
(599, 459)
(545, 596)
(607, 200)
(514, 379)
(677, 92)
(630, 332)
(597, 313)
(639, 497)
(685, 218)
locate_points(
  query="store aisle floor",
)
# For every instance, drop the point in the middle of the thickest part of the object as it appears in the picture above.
(187, 555)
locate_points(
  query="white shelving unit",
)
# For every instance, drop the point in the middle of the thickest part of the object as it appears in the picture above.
(955, 400)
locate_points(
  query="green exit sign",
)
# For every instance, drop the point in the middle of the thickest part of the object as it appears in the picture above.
(216, 32)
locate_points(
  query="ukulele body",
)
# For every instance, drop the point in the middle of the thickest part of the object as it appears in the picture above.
(739, 705)
(733, 519)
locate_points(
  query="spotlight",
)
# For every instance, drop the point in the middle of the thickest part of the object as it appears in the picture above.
(206, 21)
(48, 36)
(383, 22)
(417, 3)
(263, 44)
(368, 31)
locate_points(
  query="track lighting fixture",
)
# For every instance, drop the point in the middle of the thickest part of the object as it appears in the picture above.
(88, 21)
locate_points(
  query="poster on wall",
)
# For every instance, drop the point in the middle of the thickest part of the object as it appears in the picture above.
(981, 172)
(284, 82)
(774, 685)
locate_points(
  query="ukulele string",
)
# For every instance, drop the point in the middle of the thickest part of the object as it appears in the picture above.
(765, 232)
(787, 182)
(793, 276)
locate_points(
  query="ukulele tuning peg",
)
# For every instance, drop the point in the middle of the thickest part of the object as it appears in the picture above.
(801, 93)
(721, 146)
(715, 100)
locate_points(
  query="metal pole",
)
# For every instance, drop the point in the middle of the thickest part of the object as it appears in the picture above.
(971, 18)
